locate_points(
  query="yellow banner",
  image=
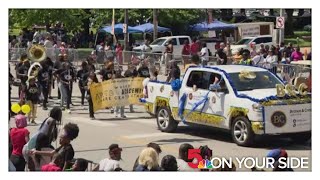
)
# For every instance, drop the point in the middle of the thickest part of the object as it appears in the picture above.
(116, 92)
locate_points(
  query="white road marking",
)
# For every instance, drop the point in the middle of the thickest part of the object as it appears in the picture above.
(91, 122)
(145, 121)
(139, 136)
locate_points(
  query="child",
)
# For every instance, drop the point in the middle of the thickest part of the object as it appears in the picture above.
(80, 165)
(54, 165)
(32, 97)
(19, 136)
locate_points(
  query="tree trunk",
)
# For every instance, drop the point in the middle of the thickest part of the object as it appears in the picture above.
(86, 25)
(271, 12)
(223, 14)
(210, 17)
(229, 12)
(243, 11)
(301, 12)
(288, 23)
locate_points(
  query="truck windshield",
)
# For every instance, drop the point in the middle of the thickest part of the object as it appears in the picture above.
(256, 80)
(243, 41)
(158, 42)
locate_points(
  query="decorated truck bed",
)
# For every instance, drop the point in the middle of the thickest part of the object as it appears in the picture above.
(245, 100)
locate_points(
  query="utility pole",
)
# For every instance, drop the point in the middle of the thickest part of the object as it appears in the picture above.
(281, 30)
(155, 24)
(125, 30)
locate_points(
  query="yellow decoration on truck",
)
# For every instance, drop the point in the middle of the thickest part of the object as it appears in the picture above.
(236, 111)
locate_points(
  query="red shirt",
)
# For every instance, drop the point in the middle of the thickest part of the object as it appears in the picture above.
(194, 48)
(186, 50)
(18, 139)
(50, 167)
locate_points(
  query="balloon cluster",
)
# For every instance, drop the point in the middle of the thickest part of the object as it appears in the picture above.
(16, 108)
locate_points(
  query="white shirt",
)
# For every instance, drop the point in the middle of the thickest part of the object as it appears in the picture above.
(204, 54)
(183, 166)
(48, 44)
(258, 60)
(270, 61)
(108, 165)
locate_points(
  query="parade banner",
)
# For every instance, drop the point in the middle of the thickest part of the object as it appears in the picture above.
(116, 92)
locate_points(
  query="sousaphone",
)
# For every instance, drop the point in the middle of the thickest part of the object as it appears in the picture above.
(36, 54)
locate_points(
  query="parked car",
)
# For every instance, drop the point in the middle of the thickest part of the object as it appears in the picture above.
(159, 45)
(247, 41)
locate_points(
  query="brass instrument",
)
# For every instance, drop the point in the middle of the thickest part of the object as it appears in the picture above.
(36, 53)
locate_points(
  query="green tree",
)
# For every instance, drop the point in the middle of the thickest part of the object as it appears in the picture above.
(289, 23)
(26, 18)
(179, 20)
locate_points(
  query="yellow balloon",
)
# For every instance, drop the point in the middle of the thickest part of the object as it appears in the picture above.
(15, 108)
(25, 109)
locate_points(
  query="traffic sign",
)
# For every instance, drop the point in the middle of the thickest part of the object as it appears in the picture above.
(280, 22)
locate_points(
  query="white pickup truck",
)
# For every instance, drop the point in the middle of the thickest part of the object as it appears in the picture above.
(159, 45)
(245, 100)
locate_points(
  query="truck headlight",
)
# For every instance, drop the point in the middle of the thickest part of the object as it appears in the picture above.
(257, 107)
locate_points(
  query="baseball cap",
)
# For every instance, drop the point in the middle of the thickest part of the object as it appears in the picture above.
(277, 153)
(114, 147)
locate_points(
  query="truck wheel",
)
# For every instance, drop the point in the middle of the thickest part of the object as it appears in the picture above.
(301, 138)
(241, 131)
(165, 121)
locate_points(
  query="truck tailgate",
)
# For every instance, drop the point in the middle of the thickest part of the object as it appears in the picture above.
(287, 118)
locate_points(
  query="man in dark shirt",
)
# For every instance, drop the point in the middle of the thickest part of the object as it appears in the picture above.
(107, 72)
(22, 73)
(65, 79)
(82, 76)
(143, 71)
(43, 79)
(222, 55)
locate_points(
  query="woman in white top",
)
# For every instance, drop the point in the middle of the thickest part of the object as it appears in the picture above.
(204, 54)
(271, 61)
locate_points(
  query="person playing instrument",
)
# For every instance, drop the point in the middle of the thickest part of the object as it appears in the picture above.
(91, 79)
(64, 85)
(43, 79)
(82, 76)
(22, 72)
(32, 98)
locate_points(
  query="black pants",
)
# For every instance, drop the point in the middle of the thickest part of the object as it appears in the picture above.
(45, 93)
(70, 92)
(18, 162)
(68, 89)
(83, 93)
(59, 94)
(91, 107)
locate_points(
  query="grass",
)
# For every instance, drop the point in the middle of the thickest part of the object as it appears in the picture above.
(302, 42)
(14, 32)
